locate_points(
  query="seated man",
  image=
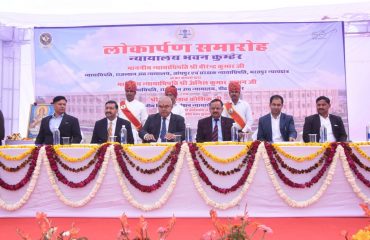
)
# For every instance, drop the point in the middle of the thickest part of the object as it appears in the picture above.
(276, 126)
(334, 124)
(67, 125)
(214, 128)
(163, 126)
(111, 126)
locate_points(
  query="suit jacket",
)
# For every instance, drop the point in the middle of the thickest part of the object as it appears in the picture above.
(312, 125)
(287, 128)
(2, 128)
(100, 133)
(204, 131)
(69, 127)
(153, 126)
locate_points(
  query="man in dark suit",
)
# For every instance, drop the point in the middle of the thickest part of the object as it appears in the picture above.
(2, 128)
(214, 128)
(276, 126)
(164, 125)
(67, 124)
(334, 124)
(111, 125)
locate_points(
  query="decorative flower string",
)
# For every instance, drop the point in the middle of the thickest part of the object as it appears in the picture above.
(92, 150)
(352, 165)
(350, 178)
(328, 156)
(250, 157)
(80, 169)
(201, 147)
(134, 182)
(233, 202)
(356, 146)
(163, 199)
(294, 170)
(27, 177)
(132, 154)
(291, 202)
(95, 188)
(142, 170)
(30, 188)
(51, 155)
(17, 168)
(303, 158)
(20, 156)
(348, 149)
(221, 172)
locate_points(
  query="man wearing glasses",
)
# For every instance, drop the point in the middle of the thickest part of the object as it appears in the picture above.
(164, 125)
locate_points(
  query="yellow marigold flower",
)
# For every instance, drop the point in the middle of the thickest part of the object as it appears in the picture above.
(361, 235)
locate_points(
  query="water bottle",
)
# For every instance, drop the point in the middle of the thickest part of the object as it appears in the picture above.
(123, 135)
(368, 132)
(323, 134)
(188, 133)
(234, 133)
(56, 136)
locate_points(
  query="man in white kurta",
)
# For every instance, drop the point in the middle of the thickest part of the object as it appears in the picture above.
(238, 109)
(171, 92)
(133, 110)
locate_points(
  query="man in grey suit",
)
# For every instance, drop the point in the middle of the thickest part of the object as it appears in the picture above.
(276, 126)
(164, 125)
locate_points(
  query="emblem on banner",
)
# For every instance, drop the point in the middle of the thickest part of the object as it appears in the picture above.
(46, 39)
(185, 33)
(231, 111)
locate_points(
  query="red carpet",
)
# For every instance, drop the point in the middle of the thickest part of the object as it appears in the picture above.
(190, 228)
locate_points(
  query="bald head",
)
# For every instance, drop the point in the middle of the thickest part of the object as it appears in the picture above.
(164, 106)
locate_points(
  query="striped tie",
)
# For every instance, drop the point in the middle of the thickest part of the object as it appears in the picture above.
(110, 129)
(215, 132)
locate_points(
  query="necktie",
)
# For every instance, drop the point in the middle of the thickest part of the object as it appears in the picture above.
(215, 132)
(110, 128)
(163, 130)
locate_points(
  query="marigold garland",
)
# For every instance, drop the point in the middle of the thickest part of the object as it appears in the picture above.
(201, 147)
(250, 156)
(294, 170)
(350, 178)
(20, 156)
(301, 158)
(305, 203)
(80, 169)
(221, 172)
(126, 148)
(356, 146)
(134, 182)
(233, 202)
(92, 150)
(17, 168)
(328, 155)
(51, 156)
(142, 170)
(27, 177)
(31, 186)
(352, 165)
(94, 189)
(163, 199)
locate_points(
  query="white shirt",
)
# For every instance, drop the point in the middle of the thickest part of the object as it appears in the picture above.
(275, 126)
(139, 110)
(114, 123)
(178, 109)
(329, 130)
(244, 110)
(167, 124)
